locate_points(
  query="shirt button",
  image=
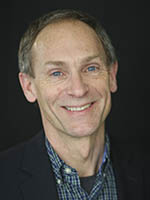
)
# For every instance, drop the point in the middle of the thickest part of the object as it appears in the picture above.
(104, 175)
(68, 171)
(59, 181)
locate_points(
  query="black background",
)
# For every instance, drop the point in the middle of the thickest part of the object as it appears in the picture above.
(127, 23)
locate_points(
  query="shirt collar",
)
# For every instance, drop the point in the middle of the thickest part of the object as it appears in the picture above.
(57, 163)
(106, 155)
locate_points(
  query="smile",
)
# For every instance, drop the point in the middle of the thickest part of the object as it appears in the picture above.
(77, 109)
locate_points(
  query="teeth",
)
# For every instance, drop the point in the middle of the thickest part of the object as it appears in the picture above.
(78, 108)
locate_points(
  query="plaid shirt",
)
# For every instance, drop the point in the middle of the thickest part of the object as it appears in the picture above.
(68, 181)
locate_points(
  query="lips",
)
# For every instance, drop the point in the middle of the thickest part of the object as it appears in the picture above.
(78, 108)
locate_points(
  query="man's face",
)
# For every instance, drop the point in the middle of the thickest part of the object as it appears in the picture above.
(72, 84)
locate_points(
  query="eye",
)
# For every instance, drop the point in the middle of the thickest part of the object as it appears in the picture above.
(57, 73)
(91, 68)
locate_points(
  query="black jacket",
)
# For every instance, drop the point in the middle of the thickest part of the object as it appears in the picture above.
(26, 173)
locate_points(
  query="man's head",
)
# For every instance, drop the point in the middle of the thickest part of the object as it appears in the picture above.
(69, 67)
(27, 41)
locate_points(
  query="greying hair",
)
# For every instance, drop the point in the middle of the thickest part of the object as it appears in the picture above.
(29, 37)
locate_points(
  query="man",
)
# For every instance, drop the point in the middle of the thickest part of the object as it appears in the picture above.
(68, 66)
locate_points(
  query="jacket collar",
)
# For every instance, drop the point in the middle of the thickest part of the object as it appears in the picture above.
(36, 177)
(128, 173)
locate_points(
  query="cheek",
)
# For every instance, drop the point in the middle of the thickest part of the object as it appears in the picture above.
(42, 92)
(49, 95)
(58, 90)
(102, 86)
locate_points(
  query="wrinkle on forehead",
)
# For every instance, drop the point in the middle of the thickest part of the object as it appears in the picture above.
(65, 35)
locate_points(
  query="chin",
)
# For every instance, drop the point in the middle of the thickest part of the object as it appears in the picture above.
(82, 132)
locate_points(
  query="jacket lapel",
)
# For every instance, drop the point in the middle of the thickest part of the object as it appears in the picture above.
(128, 175)
(37, 180)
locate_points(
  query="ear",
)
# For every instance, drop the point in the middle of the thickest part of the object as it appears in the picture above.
(112, 77)
(27, 85)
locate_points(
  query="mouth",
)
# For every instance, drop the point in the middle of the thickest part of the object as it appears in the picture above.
(78, 108)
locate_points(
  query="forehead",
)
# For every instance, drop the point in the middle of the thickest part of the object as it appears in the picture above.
(73, 27)
(67, 39)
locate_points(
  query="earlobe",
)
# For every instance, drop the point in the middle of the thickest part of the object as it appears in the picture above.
(112, 75)
(27, 87)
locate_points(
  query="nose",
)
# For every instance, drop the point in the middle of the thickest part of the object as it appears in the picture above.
(76, 86)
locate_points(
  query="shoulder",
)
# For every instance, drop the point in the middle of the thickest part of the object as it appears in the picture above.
(10, 159)
(10, 162)
(132, 166)
(129, 156)
(126, 150)
(12, 171)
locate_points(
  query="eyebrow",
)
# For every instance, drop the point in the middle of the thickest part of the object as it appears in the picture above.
(62, 63)
(90, 58)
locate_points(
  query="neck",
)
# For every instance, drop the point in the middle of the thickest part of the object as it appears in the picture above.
(85, 154)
